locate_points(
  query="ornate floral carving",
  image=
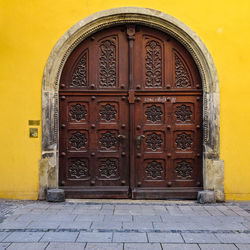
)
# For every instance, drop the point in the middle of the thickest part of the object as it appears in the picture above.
(108, 168)
(184, 141)
(108, 140)
(108, 112)
(183, 113)
(153, 64)
(78, 169)
(184, 170)
(108, 64)
(78, 112)
(182, 79)
(78, 140)
(154, 113)
(154, 169)
(79, 78)
(153, 141)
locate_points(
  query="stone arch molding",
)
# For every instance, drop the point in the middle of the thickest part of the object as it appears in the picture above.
(213, 167)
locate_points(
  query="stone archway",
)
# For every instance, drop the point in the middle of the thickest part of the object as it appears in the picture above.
(213, 167)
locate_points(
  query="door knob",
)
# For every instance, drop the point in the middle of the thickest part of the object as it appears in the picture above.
(139, 140)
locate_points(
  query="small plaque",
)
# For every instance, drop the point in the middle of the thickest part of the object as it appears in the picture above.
(33, 132)
(34, 122)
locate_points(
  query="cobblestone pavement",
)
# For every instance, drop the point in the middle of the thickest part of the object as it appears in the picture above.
(124, 225)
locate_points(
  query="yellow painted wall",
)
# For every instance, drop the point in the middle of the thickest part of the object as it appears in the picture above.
(30, 28)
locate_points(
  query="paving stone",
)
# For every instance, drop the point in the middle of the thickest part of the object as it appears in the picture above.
(199, 210)
(108, 206)
(147, 218)
(217, 247)
(186, 210)
(121, 218)
(24, 237)
(246, 224)
(243, 246)
(75, 225)
(128, 206)
(59, 237)
(165, 237)
(225, 210)
(130, 237)
(212, 210)
(107, 225)
(89, 218)
(199, 238)
(66, 246)
(27, 246)
(43, 225)
(174, 210)
(106, 211)
(3, 235)
(89, 206)
(137, 225)
(140, 246)
(94, 237)
(239, 210)
(180, 247)
(86, 211)
(4, 246)
(14, 224)
(104, 246)
(233, 237)
(175, 226)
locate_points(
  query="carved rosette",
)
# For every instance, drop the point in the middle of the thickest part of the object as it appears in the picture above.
(78, 140)
(78, 112)
(108, 140)
(108, 112)
(182, 79)
(153, 64)
(154, 141)
(78, 169)
(154, 113)
(183, 113)
(184, 170)
(154, 170)
(184, 141)
(79, 77)
(108, 168)
(107, 64)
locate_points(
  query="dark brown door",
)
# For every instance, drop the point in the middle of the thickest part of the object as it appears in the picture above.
(130, 117)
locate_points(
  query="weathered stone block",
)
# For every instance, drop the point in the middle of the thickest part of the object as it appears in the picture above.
(55, 195)
(206, 196)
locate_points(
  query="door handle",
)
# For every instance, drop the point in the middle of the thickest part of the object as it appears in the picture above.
(121, 138)
(139, 141)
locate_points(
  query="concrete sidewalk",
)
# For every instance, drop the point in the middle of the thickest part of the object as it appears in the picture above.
(123, 224)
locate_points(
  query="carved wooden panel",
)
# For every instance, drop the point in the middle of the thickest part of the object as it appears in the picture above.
(182, 76)
(78, 169)
(154, 113)
(154, 170)
(153, 63)
(108, 63)
(80, 72)
(108, 140)
(108, 169)
(78, 112)
(78, 140)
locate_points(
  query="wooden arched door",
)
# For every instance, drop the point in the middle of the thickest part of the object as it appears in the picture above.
(130, 117)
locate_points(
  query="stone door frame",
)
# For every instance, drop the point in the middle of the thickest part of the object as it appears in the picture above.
(213, 167)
